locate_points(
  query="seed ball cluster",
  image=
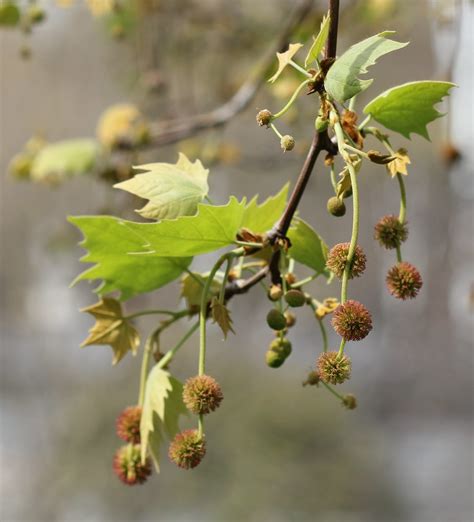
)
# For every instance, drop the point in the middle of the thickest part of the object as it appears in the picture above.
(404, 281)
(128, 424)
(128, 465)
(352, 321)
(390, 232)
(187, 449)
(202, 394)
(334, 368)
(337, 259)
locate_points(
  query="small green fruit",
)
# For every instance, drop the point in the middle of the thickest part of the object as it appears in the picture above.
(321, 124)
(35, 14)
(276, 320)
(274, 359)
(281, 346)
(295, 298)
(336, 206)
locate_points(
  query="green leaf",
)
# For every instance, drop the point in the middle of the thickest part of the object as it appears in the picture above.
(409, 107)
(117, 250)
(64, 159)
(191, 289)
(284, 59)
(307, 246)
(9, 14)
(342, 81)
(112, 328)
(260, 218)
(173, 190)
(319, 42)
(162, 406)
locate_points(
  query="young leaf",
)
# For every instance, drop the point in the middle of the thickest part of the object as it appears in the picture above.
(307, 247)
(110, 244)
(64, 159)
(284, 59)
(162, 406)
(112, 328)
(260, 218)
(173, 190)
(409, 107)
(221, 316)
(342, 81)
(399, 164)
(319, 42)
(191, 290)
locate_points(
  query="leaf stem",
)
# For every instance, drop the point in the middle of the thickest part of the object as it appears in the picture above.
(301, 69)
(333, 391)
(324, 335)
(149, 312)
(365, 122)
(291, 100)
(276, 131)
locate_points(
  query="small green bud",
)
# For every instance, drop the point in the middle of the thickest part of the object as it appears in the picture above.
(281, 346)
(276, 320)
(336, 206)
(35, 14)
(287, 143)
(264, 118)
(275, 292)
(274, 359)
(321, 124)
(295, 298)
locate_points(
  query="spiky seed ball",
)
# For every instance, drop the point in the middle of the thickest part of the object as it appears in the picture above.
(274, 359)
(337, 257)
(404, 281)
(187, 449)
(334, 368)
(128, 424)
(275, 292)
(128, 465)
(290, 319)
(336, 206)
(390, 232)
(202, 394)
(287, 143)
(312, 379)
(349, 401)
(295, 298)
(276, 320)
(352, 321)
(264, 117)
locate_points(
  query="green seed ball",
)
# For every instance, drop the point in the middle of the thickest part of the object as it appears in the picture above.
(276, 320)
(336, 206)
(295, 298)
(274, 359)
(281, 346)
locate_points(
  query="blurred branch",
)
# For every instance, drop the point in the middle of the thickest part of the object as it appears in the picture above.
(172, 131)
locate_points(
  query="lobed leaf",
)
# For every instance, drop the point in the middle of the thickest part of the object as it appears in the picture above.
(318, 42)
(173, 190)
(342, 82)
(260, 218)
(284, 59)
(409, 107)
(307, 246)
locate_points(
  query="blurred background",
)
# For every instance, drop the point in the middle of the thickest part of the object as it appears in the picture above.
(277, 451)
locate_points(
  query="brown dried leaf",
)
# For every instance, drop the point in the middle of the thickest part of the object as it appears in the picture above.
(221, 316)
(399, 164)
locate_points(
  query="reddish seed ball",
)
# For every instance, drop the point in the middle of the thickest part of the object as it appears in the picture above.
(337, 257)
(352, 321)
(404, 281)
(128, 424)
(128, 466)
(390, 232)
(334, 368)
(187, 449)
(202, 394)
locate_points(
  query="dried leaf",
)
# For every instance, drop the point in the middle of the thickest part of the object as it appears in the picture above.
(349, 124)
(379, 158)
(285, 58)
(326, 307)
(221, 316)
(399, 164)
(112, 328)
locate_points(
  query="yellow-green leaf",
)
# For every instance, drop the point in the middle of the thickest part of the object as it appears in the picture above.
(284, 59)
(307, 246)
(221, 316)
(399, 164)
(319, 42)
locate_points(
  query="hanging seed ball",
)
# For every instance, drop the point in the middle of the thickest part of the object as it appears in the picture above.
(334, 368)
(264, 118)
(282, 346)
(337, 257)
(275, 292)
(187, 449)
(128, 424)
(128, 465)
(352, 321)
(202, 394)
(404, 281)
(336, 206)
(290, 319)
(287, 143)
(274, 359)
(295, 298)
(312, 379)
(276, 320)
(390, 232)
(349, 401)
